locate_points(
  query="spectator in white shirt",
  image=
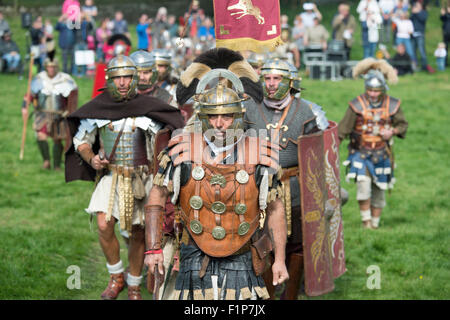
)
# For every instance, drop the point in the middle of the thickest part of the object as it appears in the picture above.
(374, 21)
(310, 13)
(364, 7)
(405, 29)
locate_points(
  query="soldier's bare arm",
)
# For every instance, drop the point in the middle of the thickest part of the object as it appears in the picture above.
(278, 234)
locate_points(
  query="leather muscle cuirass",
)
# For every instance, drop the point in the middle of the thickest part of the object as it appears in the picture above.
(370, 121)
(219, 203)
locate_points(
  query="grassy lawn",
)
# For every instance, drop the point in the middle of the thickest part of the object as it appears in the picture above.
(44, 229)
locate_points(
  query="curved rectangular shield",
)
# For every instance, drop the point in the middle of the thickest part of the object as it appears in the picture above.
(313, 190)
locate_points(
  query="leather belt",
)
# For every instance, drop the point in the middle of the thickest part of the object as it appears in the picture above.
(289, 172)
(127, 171)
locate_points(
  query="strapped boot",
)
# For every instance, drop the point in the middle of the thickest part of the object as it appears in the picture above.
(115, 286)
(45, 153)
(134, 293)
(295, 269)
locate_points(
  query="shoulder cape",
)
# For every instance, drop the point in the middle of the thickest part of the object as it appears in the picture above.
(104, 107)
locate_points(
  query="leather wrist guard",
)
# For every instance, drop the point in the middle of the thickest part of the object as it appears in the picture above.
(86, 153)
(153, 226)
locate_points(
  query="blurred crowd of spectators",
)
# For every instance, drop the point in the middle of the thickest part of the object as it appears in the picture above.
(400, 24)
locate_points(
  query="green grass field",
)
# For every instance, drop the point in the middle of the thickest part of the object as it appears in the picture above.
(44, 229)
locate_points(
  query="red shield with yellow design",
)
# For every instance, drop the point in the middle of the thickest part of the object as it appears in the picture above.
(313, 190)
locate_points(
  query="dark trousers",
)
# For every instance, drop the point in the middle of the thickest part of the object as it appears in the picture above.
(418, 43)
(67, 59)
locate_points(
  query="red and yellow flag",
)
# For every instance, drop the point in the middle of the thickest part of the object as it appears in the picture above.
(247, 24)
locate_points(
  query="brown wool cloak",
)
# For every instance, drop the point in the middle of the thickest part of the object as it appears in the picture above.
(104, 107)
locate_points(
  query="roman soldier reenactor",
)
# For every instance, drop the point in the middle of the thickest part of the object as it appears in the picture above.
(54, 95)
(372, 120)
(115, 138)
(226, 186)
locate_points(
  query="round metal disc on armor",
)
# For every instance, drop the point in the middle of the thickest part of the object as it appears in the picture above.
(196, 202)
(240, 208)
(196, 226)
(198, 173)
(218, 233)
(376, 117)
(243, 228)
(242, 176)
(218, 207)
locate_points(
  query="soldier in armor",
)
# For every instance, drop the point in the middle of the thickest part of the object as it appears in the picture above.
(115, 138)
(226, 186)
(148, 76)
(287, 117)
(54, 95)
(163, 61)
(371, 122)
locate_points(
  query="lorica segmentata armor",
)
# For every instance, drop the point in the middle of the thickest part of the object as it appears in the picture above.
(131, 150)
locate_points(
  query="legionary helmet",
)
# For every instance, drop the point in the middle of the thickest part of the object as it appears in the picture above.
(374, 80)
(220, 99)
(51, 63)
(376, 74)
(162, 57)
(280, 67)
(256, 60)
(121, 66)
(144, 61)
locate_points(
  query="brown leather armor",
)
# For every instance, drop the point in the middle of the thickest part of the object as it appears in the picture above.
(219, 203)
(370, 121)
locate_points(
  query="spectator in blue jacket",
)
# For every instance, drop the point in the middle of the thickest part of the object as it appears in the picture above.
(419, 18)
(206, 30)
(66, 42)
(142, 30)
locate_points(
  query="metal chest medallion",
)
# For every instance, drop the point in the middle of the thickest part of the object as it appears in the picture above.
(196, 202)
(198, 173)
(243, 228)
(240, 208)
(376, 117)
(218, 207)
(218, 233)
(196, 226)
(242, 176)
(218, 179)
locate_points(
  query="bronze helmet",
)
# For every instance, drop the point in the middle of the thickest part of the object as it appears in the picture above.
(121, 66)
(279, 67)
(220, 99)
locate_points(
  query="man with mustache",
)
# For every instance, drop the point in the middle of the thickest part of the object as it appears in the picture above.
(148, 77)
(115, 138)
(226, 185)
